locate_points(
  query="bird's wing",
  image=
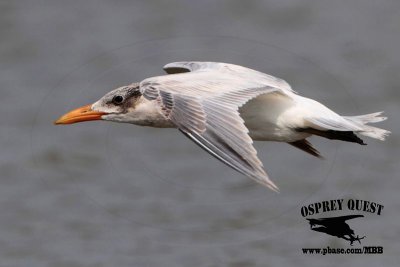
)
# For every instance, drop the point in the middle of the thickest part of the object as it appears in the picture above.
(189, 66)
(204, 106)
(236, 70)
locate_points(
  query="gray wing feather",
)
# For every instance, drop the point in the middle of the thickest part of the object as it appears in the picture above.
(239, 73)
(211, 119)
(226, 129)
(183, 110)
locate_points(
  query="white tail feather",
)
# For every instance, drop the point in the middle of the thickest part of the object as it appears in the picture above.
(370, 131)
(367, 118)
(375, 132)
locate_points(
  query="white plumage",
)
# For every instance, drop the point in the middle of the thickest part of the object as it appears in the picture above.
(224, 107)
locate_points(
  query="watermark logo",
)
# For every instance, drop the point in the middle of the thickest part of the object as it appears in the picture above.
(336, 226)
(340, 226)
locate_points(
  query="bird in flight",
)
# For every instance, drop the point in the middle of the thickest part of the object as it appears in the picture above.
(223, 108)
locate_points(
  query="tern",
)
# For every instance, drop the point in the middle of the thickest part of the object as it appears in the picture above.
(224, 107)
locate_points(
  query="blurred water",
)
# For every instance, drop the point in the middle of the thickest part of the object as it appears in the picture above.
(103, 194)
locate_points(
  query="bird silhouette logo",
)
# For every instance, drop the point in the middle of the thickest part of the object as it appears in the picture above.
(336, 226)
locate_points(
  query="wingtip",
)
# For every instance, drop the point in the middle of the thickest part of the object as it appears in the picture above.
(276, 190)
(271, 185)
(266, 181)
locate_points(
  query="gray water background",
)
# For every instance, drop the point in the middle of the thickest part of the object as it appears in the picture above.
(107, 194)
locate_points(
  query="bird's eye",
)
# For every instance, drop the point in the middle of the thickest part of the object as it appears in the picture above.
(117, 100)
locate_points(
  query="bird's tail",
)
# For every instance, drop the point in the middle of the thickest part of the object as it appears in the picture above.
(367, 130)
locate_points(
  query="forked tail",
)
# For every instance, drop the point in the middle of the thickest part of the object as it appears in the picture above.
(344, 128)
(367, 130)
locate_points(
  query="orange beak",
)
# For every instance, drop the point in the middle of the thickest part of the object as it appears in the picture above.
(84, 113)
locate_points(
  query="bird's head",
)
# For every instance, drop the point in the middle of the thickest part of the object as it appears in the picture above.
(117, 105)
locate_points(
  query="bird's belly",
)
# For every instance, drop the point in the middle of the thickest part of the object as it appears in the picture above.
(273, 117)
